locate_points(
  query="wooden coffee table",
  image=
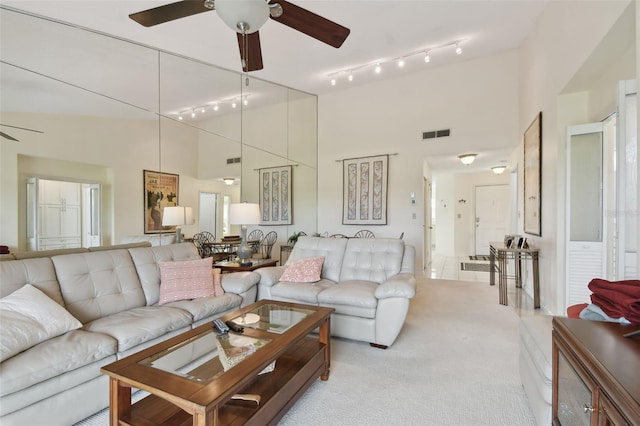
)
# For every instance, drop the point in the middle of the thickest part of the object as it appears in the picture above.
(232, 266)
(203, 393)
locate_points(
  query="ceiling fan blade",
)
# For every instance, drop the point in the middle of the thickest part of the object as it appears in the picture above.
(253, 61)
(6, 136)
(311, 24)
(169, 12)
(21, 128)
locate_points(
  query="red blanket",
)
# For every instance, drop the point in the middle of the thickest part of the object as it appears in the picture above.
(617, 298)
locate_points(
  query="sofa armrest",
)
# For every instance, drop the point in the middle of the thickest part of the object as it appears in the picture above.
(400, 285)
(239, 282)
(270, 275)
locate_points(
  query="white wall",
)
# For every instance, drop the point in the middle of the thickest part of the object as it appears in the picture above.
(560, 43)
(477, 99)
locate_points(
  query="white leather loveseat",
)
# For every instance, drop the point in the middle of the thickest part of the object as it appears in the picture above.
(369, 283)
(114, 294)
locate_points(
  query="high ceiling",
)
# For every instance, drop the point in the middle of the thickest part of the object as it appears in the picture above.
(381, 31)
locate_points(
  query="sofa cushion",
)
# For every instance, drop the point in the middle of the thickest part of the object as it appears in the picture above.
(139, 325)
(185, 280)
(37, 272)
(146, 260)
(205, 307)
(332, 249)
(372, 259)
(354, 297)
(54, 357)
(98, 284)
(305, 270)
(29, 317)
(300, 292)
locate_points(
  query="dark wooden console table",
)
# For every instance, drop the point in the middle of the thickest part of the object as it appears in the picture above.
(596, 373)
(498, 260)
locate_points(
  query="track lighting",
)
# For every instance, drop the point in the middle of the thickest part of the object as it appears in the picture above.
(245, 102)
(401, 61)
(216, 107)
(193, 114)
(233, 104)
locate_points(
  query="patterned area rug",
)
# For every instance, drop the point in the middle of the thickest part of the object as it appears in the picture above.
(480, 257)
(479, 267)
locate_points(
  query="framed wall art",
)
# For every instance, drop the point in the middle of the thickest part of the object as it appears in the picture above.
(365, 190)
(275, 196)
(160, 191)
(533, 177)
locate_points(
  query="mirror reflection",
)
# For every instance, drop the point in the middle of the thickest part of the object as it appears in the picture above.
(109, 109)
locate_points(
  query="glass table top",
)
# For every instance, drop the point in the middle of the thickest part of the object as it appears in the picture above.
(273, 318)
(212, 355)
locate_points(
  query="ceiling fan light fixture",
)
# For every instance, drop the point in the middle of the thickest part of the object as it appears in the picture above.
(243, 16)
(467, 159)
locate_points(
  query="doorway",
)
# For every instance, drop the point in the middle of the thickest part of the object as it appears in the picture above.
(492, 216)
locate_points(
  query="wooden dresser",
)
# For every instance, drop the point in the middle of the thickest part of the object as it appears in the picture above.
(596, 373)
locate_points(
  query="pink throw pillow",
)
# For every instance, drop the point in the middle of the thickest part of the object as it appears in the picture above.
(184, 280)
(305, 270)
(217, 282)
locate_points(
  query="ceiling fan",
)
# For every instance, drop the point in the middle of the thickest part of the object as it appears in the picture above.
(246, 17)
(11, 138)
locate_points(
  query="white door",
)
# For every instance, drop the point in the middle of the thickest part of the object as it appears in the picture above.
(627, 195)
(586, 228)
(427, 225)
(91, 215)
(207, 217)
(492, 213)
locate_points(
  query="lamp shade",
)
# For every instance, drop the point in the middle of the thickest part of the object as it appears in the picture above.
(251, 13)
(467, 158)
(244, 214)
(177, 216)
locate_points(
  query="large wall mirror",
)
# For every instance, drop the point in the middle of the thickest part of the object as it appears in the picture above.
(101, 110)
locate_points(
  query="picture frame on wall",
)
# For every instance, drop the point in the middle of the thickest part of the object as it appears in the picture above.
(533, 177)
(364, 191)
(275, 195)
(160, 191)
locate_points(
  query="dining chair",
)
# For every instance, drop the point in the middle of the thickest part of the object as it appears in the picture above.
(266, 246)
(202, 240)
(255, 235)
(338, 236)
(364, 234)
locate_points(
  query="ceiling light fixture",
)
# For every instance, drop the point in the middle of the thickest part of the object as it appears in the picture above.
(498, 169)
(228, 180)
(467, 159)
(213, 105)
(401, 61)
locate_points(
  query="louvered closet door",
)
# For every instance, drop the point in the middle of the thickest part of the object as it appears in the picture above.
(585, 207)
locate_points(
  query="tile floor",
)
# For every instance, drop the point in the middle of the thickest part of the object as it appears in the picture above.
(448, 268)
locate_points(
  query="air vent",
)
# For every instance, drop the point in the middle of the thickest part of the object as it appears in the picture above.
(233, 160)
(436, 134)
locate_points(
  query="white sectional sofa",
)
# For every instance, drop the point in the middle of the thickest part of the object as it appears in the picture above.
(114, 294)
(369, 283)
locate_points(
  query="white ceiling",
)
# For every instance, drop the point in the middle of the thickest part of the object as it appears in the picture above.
(381, 30)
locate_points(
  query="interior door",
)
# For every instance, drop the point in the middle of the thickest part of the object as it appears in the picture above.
(427, 225)
(586, 228)
(627, 176)
(208, 213)
(91, 206)
(492, 213)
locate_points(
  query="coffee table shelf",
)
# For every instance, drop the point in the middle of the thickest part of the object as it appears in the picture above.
(174, 400)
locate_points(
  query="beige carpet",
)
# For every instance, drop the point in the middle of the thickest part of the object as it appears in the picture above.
(454, 363)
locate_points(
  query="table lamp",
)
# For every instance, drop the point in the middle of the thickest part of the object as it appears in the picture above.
(177, 216)
(244, 214)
